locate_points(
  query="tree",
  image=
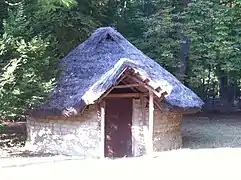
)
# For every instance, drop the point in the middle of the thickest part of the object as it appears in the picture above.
(163, 35)
(198, 41)
(214, 30)
(36, 35)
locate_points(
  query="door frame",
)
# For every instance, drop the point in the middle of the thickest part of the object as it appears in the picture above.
(149, 138)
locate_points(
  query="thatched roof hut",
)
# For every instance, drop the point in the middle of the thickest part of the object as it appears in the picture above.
(107, 66)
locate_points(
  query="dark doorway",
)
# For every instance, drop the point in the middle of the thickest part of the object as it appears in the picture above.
(118, 121)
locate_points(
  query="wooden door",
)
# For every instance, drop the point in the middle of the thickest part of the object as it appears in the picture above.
(118, 121)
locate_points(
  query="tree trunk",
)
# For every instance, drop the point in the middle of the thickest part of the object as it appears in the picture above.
(3, 14)
(232, 90)
(223, 90)
(184, 53)
(183, 59)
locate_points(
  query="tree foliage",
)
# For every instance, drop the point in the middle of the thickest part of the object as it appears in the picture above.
(37, 34)
(214, 30)
(198, 41)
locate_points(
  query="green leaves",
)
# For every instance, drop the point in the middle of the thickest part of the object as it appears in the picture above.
(163, 35)
(212, 28)
(23, 82)
(53, 5)
(36, 35)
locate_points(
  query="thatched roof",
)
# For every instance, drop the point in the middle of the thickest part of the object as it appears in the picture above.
(95, 65)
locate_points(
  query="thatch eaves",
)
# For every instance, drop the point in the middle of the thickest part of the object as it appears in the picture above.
(95, 65)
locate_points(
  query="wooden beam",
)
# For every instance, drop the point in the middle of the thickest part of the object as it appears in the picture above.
(158, 94)
(151, 115)
(121, 78)
(127, 85)
(133, 89)
(157, 105)
(111, 88)
(102, 129)
(146, 81)
(129, 71)
(125, 95)
(158, 89)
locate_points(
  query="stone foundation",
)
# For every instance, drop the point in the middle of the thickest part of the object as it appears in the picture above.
(80, 136)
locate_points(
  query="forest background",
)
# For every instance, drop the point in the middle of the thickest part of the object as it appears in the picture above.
(199, 41)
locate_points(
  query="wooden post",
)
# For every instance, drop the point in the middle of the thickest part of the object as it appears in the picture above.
(143, 114)
(102, 129)
(151, 114)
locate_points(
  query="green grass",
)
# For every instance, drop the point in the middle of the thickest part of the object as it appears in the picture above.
(201, 132)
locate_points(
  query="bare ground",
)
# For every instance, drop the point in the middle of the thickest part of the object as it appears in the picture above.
(222, 134)
(178, 164)
(12, 138)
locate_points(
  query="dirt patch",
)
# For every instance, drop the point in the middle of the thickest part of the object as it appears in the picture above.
(12, 138)
(12, 134)
(177, 164)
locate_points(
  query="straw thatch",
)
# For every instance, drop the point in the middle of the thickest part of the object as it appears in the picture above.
(95, 65)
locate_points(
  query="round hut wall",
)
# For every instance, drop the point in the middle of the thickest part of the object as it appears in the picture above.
(166, 129)
(81, 135)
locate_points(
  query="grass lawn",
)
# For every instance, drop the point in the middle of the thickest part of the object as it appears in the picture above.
(202, 132)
